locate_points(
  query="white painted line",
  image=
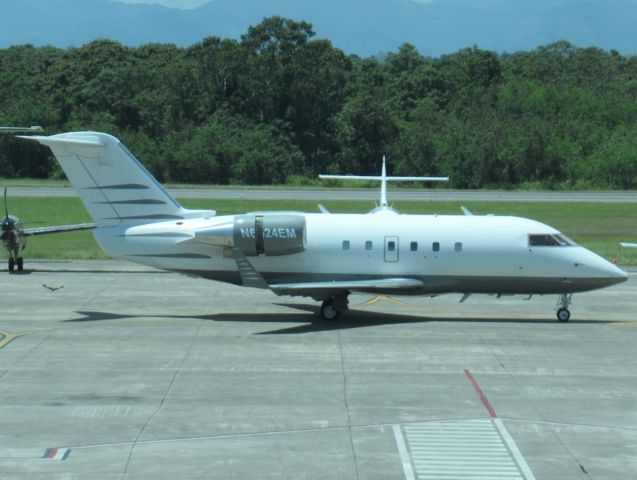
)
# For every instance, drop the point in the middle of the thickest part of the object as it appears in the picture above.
(528, 474)
(453, 457)
(467, 477)
(404, 456)
(460, 449)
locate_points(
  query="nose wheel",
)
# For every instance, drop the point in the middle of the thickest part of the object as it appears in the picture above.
(563, 314)
(563, 302)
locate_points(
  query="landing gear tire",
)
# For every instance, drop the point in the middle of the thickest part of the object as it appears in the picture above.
(328, 311)
(563, 315)
(11, 264)
(20, 264)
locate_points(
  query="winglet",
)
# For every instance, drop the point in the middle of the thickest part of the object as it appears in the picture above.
(323, 209)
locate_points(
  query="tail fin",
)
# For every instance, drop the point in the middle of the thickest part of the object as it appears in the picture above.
(114, 187)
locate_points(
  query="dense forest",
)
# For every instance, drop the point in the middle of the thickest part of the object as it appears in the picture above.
(279, 106)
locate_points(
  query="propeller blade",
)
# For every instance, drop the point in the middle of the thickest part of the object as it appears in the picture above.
(6, 208)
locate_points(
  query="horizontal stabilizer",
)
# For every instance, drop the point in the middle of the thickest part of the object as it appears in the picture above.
(54, 141)
(384, 207)
(59, 229)
(380, 179)
(34, 128)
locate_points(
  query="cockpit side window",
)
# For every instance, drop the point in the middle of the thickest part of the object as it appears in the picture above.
(550, 240)
(544, 240)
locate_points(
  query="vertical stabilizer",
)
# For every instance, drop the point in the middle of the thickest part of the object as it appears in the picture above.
(383, 186)
(113, 185)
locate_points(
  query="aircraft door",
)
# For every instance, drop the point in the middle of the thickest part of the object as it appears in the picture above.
(391, 249)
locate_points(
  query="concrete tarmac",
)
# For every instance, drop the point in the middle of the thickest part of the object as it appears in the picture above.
(110, 370)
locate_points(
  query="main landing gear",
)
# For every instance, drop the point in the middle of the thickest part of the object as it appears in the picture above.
(16, 262)
(332, 307)
(563, 302)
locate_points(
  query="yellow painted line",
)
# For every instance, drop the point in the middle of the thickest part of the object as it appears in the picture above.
(623, 323)
(384, 298)
(387, 298)
(7, 337)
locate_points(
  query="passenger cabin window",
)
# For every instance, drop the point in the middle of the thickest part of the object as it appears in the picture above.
(435, 246)
(458, 247)
(368, 245)
(391, 246)
(548, 240)
(345, 244)
(413, 246)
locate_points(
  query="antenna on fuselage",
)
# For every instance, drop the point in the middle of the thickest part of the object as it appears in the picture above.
(384, 206)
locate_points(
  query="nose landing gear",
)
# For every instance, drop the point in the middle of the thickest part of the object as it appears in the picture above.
(563, 302)
(14, 262)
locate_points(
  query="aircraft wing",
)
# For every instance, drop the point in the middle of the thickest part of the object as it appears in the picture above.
(321, 290)
(250, 277)
(628, 244)
(58, 229)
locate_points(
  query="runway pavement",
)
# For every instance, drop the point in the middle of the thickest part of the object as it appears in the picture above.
(114, 371)
(398, 194)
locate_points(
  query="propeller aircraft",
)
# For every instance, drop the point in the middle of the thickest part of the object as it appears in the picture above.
(14, 235)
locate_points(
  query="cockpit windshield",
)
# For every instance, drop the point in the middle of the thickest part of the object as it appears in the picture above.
(565, 241)
(550, 240)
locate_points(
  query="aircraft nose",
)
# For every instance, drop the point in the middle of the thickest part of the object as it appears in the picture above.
(613, 274)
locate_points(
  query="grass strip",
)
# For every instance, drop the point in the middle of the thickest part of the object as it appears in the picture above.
(597, 226)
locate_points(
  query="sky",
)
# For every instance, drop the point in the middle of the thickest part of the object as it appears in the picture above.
(185, 4)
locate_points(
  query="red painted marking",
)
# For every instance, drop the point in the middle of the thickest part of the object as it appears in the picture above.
(51, 453)
(481, 394)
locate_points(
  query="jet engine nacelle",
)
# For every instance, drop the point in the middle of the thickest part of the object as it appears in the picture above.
(256, 234)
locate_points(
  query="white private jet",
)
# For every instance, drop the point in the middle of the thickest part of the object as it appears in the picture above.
(325, 257)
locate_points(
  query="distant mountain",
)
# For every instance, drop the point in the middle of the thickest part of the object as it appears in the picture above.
(363, 27)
